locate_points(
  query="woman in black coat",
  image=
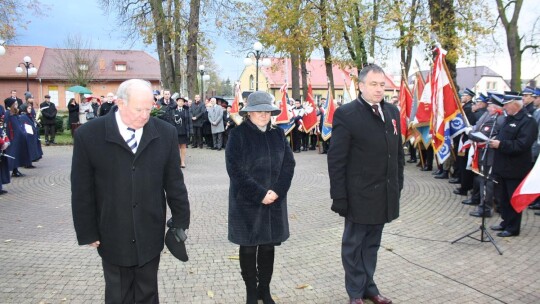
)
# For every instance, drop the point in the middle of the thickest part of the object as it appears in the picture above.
(73, 108)
(260, 165)
(184, 125)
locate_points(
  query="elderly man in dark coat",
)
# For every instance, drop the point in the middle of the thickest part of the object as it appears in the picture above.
(197, 111)
(48, 119)
(512, 160)
(260, 164)
(365, 166)
(119, 202)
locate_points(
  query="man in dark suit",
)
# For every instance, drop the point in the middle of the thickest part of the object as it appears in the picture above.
(48, 119)
(365, 166)
(13, 99)
(512, 160)
(119, 202)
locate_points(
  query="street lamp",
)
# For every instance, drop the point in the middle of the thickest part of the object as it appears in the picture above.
(203, 78)
(30, 70)
(257, 53)
(2, 48)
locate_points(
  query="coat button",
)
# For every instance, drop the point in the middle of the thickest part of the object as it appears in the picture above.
(133, 168)
(134, 205)
(133, 241)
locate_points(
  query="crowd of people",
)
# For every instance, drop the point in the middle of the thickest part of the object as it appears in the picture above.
(493, 155)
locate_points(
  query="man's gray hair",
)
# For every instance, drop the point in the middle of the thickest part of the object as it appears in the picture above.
(125, 88)
(369, 68)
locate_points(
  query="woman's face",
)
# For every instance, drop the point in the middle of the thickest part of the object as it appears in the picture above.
(180, 102)
(260, 119)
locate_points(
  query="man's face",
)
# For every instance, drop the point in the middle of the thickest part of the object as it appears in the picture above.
(167, 94)
(537, 101)
(47, 99)
(30, 101)
(297, 104)
(213, 101)
(137, 111)
(197, 98)
(492, 109)
(110, 97)
(14, 94)
(373, 87)
(527, 99)
(511, 108)
(465, 98)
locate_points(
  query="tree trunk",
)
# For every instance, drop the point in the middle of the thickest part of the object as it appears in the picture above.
(513, 41)
(192, 43)
(375, 20)
(177, 85)
(326, 46)
(295, 81)
(443, 17)
(305, 75)
(155, 5)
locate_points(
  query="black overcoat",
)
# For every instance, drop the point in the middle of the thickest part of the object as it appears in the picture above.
(197, 110)
(365, 162)
(513, 158)
(118, 197)
(48, 113)
(257, 162)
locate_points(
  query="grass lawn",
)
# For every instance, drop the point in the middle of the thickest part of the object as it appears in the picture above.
(63, 138)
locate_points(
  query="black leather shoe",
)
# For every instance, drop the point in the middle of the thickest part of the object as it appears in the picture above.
(535, 206)
(410, 161)
(296, 151)
(17, 174)
(427, 169)
(3, 192)
(480, 213)
(437, 172)
(454, 180)
(537, 213)
(496, 228)
(469, 202)
(458, 191)
(507, 234)
(443, 175)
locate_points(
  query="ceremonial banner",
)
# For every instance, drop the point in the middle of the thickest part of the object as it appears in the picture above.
(328, 119)
(445, 107)
(284, 119)
(528, 190)
(405, 107)
(309, 121)
(235, 107)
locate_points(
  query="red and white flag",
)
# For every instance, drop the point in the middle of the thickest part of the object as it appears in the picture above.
(528, 190)
(310, 119)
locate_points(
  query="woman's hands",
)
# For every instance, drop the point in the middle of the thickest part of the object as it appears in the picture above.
(270, 197)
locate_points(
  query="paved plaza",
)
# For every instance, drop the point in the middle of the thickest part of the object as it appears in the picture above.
(40, 261)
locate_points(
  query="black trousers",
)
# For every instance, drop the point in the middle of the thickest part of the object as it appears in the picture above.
(50, 132)
(511, 220)
(359, 248)
(296, 138)
(197, 137)
(135, 284)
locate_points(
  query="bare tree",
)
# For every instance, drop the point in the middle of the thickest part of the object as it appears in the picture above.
(77, 61)
(15, 14)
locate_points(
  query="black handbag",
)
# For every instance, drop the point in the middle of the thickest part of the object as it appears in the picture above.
(90, 115)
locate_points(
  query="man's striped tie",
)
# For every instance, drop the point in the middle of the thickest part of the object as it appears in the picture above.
(132, 142)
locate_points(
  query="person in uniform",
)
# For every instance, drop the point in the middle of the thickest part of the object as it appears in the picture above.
(512, 160)
(365, 167)
(528, 100)
(297, 134)
(489, 125)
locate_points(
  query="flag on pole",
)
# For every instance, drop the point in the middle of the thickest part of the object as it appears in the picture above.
(235, 107)
(309, 121)
(329, 110)
(445, 108)
(422, 117)
(528, 190)
(405, 107)
(284, 119)
(352, 90)
(346, 97)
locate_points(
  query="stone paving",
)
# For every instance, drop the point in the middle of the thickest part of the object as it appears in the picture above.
(40, 261)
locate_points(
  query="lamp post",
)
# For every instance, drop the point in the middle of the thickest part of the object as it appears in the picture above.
(2, 48)
(257, 53)
(30, 70)
(203, 78)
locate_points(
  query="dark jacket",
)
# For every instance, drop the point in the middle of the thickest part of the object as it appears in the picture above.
(105, 108)
(257, 162)
(365, 163)
(120, 199)
(48, 113)
(167, 111)
(197, 110)
(183, 121)
(467, 109)
(73, 113)
(513, 158)
(8, 102)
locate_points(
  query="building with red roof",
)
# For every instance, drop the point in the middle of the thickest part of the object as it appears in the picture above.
(112, 68)
(272, 78)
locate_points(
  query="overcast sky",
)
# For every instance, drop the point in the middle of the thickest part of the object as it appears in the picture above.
(86, 18)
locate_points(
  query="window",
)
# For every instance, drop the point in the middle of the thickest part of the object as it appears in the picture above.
(120, 67)
(491, 86)
(83, 67)
(251, 82)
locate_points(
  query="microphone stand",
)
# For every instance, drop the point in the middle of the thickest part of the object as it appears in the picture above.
(484, 234)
